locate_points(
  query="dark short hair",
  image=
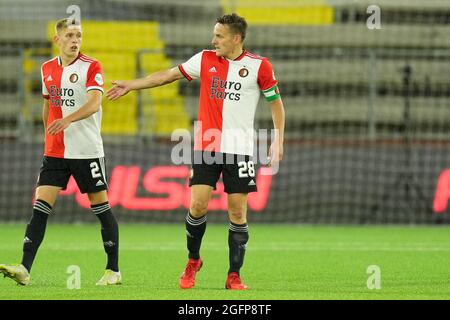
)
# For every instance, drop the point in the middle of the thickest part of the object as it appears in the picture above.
(236, 23)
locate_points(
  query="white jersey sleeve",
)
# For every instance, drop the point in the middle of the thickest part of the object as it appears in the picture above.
(191, 69)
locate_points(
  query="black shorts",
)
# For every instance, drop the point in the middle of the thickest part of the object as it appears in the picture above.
(238, 171)
(90, 174)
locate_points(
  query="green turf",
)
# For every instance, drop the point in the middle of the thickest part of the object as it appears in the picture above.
(282, 262)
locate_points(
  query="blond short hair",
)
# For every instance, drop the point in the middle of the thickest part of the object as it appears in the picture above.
(65, 23)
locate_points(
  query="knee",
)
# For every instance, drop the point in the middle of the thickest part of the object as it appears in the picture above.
(98, 197)
(198, 208)
(238, 216)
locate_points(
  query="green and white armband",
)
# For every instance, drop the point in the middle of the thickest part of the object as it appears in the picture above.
(272, 93)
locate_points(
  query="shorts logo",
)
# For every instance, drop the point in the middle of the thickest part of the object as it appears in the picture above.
(243, 72)
(99, 79)
(73, 78)
(191, 175)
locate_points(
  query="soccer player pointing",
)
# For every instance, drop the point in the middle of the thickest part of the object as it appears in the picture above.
(72, 87)
(232, 80)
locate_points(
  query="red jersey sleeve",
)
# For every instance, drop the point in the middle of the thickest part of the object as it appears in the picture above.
(267, 82)
(95, 77)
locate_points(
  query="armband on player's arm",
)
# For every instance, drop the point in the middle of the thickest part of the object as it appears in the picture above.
(272, 93)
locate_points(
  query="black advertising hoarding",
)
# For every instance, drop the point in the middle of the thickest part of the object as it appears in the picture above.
(316, 183)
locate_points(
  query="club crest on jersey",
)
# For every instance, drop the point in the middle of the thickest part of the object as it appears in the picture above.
(243, 72)
(73, 78)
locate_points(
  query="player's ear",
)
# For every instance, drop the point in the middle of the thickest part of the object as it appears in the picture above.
(56, 39)
(237, 38)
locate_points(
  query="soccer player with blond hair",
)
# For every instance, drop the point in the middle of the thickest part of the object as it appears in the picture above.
(72, 88)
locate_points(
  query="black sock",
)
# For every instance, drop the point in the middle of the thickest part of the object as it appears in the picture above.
(35, 232)
(195, 229)
(110, 234)
(237, 242)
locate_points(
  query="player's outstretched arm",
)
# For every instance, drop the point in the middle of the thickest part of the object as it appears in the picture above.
(89, 108)
(278, 117)
(160, 78)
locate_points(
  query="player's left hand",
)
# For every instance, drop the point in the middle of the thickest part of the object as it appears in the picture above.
(57, 126)
(119, 89)
(275, 153)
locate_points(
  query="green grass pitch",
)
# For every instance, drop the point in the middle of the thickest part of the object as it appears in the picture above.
(282, 262)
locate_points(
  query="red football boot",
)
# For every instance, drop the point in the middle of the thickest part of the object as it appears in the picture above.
(187, 279)
(234, 282)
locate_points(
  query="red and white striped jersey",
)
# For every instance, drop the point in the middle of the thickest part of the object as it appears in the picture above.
(229, 94)
(66, 90)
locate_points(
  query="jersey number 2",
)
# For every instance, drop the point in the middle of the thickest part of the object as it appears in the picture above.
(95, 170)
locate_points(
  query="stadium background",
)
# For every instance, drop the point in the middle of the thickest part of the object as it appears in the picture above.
(367, 110)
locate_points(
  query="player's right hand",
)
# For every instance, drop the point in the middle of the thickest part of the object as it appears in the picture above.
(275, 153)
(119, 89)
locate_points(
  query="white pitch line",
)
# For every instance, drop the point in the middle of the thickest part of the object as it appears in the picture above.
(271, 246)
